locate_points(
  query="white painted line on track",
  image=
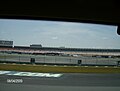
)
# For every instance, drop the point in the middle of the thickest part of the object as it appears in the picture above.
(4, 72)
(45, 65)
(16, 73)
(65, 66)
(86, 66)
(115, 66)
(106, 66)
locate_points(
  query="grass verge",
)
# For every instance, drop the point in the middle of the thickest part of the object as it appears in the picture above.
(59, 69)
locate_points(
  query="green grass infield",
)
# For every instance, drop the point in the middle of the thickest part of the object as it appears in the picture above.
(59, 69)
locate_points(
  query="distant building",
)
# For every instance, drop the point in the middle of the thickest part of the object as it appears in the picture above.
(35, 46)
(5, 43)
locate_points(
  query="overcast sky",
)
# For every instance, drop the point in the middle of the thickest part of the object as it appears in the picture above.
(59, 34)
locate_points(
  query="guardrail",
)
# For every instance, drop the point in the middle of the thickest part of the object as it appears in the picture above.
(59, 60)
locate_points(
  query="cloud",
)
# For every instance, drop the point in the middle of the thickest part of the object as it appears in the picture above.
(104, 38)
(54, 38)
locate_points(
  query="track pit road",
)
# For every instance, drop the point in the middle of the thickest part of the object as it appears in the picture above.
(65, 82)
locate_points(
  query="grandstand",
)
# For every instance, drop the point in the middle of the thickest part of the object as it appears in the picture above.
(57, 51)
(6, 43)
(59, 55)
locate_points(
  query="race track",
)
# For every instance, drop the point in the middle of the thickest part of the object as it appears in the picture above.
(68, 81)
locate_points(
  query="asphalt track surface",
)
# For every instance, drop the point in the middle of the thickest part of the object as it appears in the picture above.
(67, 82)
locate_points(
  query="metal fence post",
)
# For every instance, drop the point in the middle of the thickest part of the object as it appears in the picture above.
(44, 58)
(55, 59)
(4, 57)
(96, 60)
(19, 59)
